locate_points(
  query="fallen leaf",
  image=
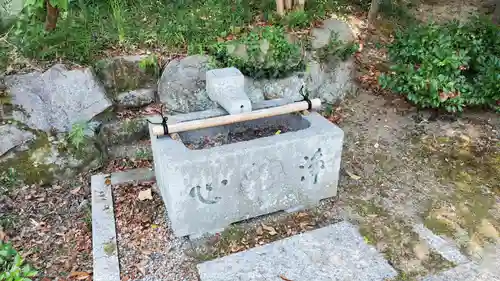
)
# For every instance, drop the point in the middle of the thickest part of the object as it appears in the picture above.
(269, 229)
(2, 234)
(353, 176)
(79, 275)
(145, 195)
(76, 190)
(284, 278)
(259, 231)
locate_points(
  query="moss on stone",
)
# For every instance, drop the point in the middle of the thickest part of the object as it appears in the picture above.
(109, 248)
(27, 165)
(121, 75)
(472, 170)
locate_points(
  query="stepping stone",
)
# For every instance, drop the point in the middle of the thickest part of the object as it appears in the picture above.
(444, 247)
(464, 272)
(335, 252)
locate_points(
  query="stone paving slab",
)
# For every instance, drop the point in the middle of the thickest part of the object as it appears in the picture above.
(465, 272)
(335, 252)
(104, 247)
(445, 248)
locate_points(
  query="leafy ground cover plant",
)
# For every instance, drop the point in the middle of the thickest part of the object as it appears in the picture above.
(449, 66)
(262, 52)
(12, 267)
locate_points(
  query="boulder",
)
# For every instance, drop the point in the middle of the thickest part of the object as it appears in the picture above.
(322, 35)
(125, 73)
(182, 85)
(56, 99)
(53, 157)
(12, 137)
(135, 98)
(124, 132)
(288, 88)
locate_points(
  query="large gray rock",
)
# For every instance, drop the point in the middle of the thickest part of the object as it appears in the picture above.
(288, 88)
(57, 98)
(335, 252)
(11, 137)
(122, 74)
(53, 157)
(124, 131)
(182, 85)
(329, 81)
(208, 189)
(322, 35)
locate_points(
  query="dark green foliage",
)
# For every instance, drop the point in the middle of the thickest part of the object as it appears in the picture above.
(91, 27)
(297, 19)
(447, 66)
(263, 52)
(12, 267)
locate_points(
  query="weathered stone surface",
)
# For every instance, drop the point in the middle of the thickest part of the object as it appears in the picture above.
(322, 35)
(253, 90)
(52, 157)
(182, 85)
(226, 86)
(57, 98)
(332, 81)
(121, 74)
(288, 88)
(335, 252)
(328, 81)
(135, 98)
(210, 188)
(11, 137)
(124, 131)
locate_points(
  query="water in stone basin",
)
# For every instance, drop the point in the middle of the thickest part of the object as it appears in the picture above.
(244, 131)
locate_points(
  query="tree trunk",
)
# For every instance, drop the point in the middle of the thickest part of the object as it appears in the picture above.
(496, 13)
(51, 18)
(372, 14)
(280, 7)
(288, 5)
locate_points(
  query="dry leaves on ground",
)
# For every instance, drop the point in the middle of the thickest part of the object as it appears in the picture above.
(51, 228)
(141, 226)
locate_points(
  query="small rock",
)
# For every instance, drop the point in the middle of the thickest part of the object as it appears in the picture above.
(136, 98)
(182, 85)
(83, 205)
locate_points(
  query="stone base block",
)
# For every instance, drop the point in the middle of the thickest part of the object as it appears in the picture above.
(226, 86)
(210, 188)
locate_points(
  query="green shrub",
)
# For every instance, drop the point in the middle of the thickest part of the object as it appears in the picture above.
(297, 19)
(263, 52)
(12, 267)
(447, 66)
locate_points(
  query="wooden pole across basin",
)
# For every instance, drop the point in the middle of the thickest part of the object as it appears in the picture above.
(235, 118)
